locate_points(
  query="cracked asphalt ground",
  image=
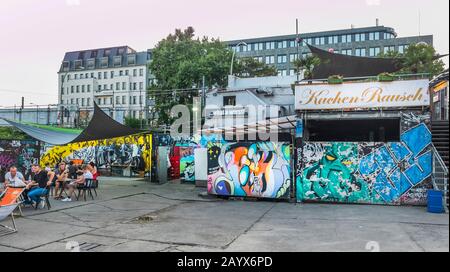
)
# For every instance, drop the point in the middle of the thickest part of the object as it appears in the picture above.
(134, 215)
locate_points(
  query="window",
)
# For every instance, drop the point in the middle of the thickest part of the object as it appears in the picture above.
(90, 63)
(107, 52)
(390, 48)
(355, 130)
(71, 101)
(140, 100)
(117, 86)
(141, 72)
(78, 88)
(124, 86)
(111, 86)
(78, 64)
(82, 102)
(134, 100)
(124, 99)
(120, 73)
(360, 37)
(71, 89)
(126, 72)
(82, 88)
(346, 38)
(347, 52)
(282, 72)
(292, 72)
(118, 100)
(99, 87)
(360, 52)
(259, 46)
(88, 88)
(65, 66)
(229, 101)
(131, 59)
(99, 75)
(282, 58)
(76, 76)
(105, 87)
(374, 51)
(270, 45)
(105, 75)
(92, 75)
(104, 63)
(112, 74)
(88, 101)
(270, 59)
(402, 48)
(282, 44)
(293, 57)
(78, 101)
(374, 36)
(117, 61)
(258, 59)
(134, 72)
(62, 92)
(292, 43)
(141, 85)
(135, 86)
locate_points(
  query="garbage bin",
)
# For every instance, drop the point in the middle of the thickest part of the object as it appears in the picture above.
(435, 204)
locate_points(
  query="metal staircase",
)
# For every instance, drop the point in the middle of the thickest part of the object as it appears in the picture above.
(440, 131)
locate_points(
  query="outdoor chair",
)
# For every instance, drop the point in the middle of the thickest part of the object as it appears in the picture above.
(9, 202)
(87, 187)
(46, 199)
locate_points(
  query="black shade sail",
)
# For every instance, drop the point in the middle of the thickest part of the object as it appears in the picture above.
(100, 127)
(350, 66)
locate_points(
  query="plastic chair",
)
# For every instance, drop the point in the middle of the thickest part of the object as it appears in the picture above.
(8, 204)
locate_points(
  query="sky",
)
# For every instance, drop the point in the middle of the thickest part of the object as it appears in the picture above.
(35, 34)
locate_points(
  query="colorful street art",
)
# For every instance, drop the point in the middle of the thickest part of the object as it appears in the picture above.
(21, 154)
(260, 169)
(187, 163)
(126, 151)
(374, 173)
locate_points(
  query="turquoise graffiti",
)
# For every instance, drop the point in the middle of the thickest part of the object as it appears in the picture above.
(259, 169)
(375, 173)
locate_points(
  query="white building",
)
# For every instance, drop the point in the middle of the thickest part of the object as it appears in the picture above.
(250, 100)
(116, 78)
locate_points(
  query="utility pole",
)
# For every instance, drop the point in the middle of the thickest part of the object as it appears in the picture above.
(298, 47)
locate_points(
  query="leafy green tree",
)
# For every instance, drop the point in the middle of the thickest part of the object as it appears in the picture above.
(132, 122)
(418, 58)
(250, 67)
(10, 133)
(307, 65)
(179, 63)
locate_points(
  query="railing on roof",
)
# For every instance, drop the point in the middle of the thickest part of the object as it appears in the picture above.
(373, 78)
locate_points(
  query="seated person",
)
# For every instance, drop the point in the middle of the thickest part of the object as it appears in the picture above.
(14, 178)
(80, 181)
(61, 175)
(40, 183)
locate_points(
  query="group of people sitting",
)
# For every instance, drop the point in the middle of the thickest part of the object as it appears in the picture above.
(41, 182)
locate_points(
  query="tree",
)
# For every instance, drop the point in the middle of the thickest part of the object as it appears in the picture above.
(307, 65)
(10, 133)
(179, 63)
(418, 58)
(250, 67)
(132, 122)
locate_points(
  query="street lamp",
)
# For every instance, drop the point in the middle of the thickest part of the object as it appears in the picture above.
(234, 53)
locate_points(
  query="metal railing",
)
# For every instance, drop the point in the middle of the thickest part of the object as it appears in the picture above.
(444, 177)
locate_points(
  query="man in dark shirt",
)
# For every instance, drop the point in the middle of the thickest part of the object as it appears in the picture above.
(72, 170)
(39, 186)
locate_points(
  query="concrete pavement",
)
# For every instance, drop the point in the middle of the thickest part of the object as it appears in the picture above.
(133, 215)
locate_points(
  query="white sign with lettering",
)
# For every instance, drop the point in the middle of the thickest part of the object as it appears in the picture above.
(405, 93)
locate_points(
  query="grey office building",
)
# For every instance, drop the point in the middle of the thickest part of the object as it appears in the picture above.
(282, 51)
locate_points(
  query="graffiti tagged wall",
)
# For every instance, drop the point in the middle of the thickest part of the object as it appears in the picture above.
(260, 169)
(22, 154)
(375, 173)
(126, 151)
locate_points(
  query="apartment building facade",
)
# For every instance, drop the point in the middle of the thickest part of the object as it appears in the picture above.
(282, 51)
(116, 78)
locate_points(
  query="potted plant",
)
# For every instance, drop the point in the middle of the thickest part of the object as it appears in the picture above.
(386, 77)
(335, 79)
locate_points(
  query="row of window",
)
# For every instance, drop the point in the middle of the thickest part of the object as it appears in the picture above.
(120, 100)
(119, 86)
(360, 52)
(104, 62)
(105, 75)
(348, 38)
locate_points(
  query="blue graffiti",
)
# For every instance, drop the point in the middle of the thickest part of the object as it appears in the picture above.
(400, 166)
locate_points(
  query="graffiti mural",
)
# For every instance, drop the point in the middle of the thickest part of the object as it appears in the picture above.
(134, 151)
(260, 169)
(21, 154)
(375, 173)
(187, 164)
